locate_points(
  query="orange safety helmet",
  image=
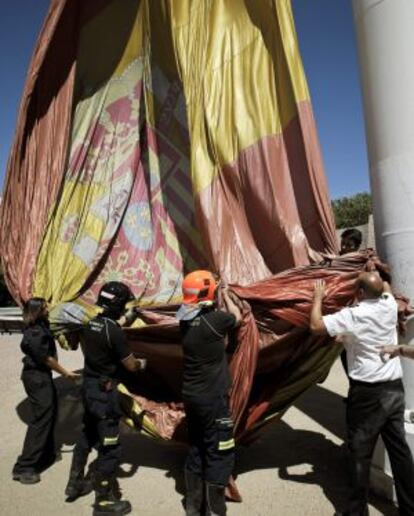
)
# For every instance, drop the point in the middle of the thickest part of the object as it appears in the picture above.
(198, 286)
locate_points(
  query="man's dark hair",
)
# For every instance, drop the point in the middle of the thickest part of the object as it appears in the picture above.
(353, 234)
(32, 310)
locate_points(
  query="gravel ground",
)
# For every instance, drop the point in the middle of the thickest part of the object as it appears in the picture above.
(298, 467)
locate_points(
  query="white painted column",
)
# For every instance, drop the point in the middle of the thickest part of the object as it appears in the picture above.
(385, 37)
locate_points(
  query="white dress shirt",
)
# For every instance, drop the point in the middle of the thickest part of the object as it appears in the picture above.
(363, 328)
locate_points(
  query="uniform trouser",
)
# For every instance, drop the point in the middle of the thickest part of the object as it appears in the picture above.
(373, 410)
(101, 425)
(39, 443)
(210, 429)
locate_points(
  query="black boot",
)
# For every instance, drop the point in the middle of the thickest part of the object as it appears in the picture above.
(216, 502)
(193, 493)
(78, 485)
(105, 500)
(25, 476)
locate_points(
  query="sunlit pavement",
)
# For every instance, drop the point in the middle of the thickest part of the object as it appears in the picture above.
(298, 467)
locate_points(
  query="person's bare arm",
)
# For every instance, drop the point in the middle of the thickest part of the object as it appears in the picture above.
(401, 350)
(387, 288)
(316, 322)
(129, 317)
(231, 306)
(133, 364)
(55, 366)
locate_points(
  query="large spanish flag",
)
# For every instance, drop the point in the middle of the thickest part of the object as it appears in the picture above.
(159, 136)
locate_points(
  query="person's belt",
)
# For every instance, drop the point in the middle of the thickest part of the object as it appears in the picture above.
(105, 383)
(352, 382)
(40, 369)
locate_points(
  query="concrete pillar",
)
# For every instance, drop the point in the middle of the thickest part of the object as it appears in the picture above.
(385, 37)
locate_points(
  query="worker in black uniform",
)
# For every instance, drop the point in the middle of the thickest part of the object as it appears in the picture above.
(40, 358)
(206, 381)
(105, 348)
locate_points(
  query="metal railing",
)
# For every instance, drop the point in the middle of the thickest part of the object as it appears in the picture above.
(11, 320)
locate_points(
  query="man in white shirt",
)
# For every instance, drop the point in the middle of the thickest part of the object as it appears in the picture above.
(376, 395)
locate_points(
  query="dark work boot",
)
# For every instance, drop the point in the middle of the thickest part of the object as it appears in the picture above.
(216, 502)
(25, 476)
(106, 503)
(194, 489)
(78, 485)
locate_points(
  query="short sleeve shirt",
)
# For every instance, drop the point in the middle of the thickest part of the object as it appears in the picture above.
(365, 327)
(206, 370)
(104, 346)
(37, 345)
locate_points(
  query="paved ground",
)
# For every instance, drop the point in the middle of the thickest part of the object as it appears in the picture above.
(298, 467)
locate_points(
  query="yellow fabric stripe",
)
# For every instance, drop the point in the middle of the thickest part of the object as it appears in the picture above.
(60, 271)
(242, 79)
(115, 33)
(148, 426)
(242, 83)
(290, 44)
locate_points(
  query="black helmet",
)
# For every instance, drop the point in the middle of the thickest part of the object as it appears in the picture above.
(114, 295)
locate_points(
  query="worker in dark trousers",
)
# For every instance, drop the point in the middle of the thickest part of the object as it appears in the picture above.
(376, 395)
(40, 358)
(105, 348)
(206, 381)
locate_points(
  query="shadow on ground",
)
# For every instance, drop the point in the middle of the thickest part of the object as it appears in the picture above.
(137, 450)
(70, 411)
(326, 408)
(307, 457)
(319, 460)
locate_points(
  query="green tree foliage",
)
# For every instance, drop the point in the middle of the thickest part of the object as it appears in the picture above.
(352, 211)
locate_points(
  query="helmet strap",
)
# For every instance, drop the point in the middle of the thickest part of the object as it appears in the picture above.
(112, 312)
